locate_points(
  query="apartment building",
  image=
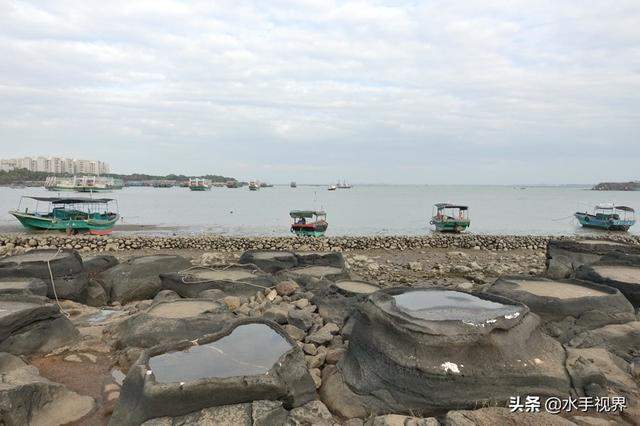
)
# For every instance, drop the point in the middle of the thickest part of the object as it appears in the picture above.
(55, 165)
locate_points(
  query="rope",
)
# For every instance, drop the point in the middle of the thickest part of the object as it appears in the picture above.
(562, 218)
(53, 283)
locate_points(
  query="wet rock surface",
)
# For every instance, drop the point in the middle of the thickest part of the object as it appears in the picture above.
(567, 307)
(249, 361)
(457, 340)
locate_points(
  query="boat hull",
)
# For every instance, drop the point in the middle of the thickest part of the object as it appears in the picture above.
(309, 230)
(591, 221)
(455, 226)
(48, 224)
(199, 188)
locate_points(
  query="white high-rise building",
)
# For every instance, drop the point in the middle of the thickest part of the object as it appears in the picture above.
(55, 165)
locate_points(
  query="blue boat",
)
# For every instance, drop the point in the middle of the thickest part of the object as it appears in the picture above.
(608, 217)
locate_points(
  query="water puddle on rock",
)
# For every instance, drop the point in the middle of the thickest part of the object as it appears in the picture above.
(218, 275)
(557, 289)
(101, 316)
(443, 305)
(625, 274)
(249, 350)
(357, 287)
(317, 271)
(181, 308)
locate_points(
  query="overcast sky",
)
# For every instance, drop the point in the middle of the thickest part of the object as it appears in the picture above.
(315, 90)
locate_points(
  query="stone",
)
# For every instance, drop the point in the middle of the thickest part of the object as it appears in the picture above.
(139, 278)
(622, 340)
(334, 355)
(26, 398)
(166, 296)
(415, 266)
(211, 294)
(400, 420)
(270, 261)
(268, 413)
(309, 349)
(294, 332)
(232, 302)
(276, 314)
(301, 303)
(97, 264)
(300, 318)
(96, 296)
(312, 413)
(316, 361)
(503, 416)
(287, 288)
(235, 414)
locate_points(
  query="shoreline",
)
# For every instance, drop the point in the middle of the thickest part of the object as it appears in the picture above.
(14, 243)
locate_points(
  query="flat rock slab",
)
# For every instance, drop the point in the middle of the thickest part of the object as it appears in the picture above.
(320, 272)
(233, 280)
(622, 340)
(270, 261)
(23, 286)
(183, 308)
(620, 273)
(28, 398)
(139, 278)
(247, 361)
(412, 350)
(100, 263)
(336, 301)
(16, 313)
(36, 264)
(567, 307)
(333, 259)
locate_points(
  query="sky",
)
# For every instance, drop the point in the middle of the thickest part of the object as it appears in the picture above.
(428, 92)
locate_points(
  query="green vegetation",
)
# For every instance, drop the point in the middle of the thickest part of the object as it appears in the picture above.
(20, 176)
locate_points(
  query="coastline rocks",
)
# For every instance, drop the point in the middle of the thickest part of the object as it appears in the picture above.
(270, 261)
(622, 273)
(100, 263)
(336, 301)
(567, 307)
(170, 321)
(412, 350)
(23, 286)
(26, 398)
(248, 361)
(28, 325)
(139, 278)
(503, 416)
(232, 280)
(318, 272)
(622, 340)
(564, 257)
(35, 264)
(333, 258)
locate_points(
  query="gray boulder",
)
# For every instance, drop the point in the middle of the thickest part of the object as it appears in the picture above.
(270, 261)
(567, 307)
(412, 350)
(139, 278)
(248, 361)
(23, 286)
(100, 263)
(621, 272)
(337, 301)
(234, 280)
(564, 257)
(623, 340)
(332, 258)
(26, 398)
(35, 264)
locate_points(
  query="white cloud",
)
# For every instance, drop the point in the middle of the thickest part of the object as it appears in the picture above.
(370, 85)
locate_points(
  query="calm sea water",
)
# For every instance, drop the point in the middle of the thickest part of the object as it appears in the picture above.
(362, 210)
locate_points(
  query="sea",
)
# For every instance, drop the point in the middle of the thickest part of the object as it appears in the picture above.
(361, 210)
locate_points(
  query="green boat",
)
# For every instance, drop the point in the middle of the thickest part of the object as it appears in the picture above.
(450, 217)
(71, 215)
(197, 184)
(302, 228)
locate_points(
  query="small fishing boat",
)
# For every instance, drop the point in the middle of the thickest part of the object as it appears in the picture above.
(450, 217)
(332, 188)
(233, 184)
(608, 217)
(198, 184)
(82, 184)
(343, 185)
(254, 186)
(315, 228)
(294, 185)
(73, 215)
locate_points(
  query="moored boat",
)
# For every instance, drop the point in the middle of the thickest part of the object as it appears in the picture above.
(73, 215)
(198, 184)
(254, 186)
(294, 185)
(332, 188)
(450, 217)
(608, 217)
(83, 184)
(315, 228)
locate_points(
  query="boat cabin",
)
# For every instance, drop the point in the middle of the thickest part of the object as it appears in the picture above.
(309, 222)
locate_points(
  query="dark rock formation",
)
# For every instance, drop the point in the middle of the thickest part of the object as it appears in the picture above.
(336, 301)
(617, 186)
(567, 307)
(23, 286)
(34, 264)
(100, 263)
(139, 278)
(248, 361)
(270, 261)
(411, 351)
(564, 257)
(234, 280)
(621, 272)
(623, 340)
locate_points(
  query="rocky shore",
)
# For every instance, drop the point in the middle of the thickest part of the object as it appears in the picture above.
(439, 330)
(12, 243)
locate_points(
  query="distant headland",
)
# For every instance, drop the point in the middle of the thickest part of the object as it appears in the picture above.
(617, 186)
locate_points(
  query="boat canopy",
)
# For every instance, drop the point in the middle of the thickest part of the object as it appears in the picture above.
(75, 200)
(614, 207)
(306, 213)
(441, 206)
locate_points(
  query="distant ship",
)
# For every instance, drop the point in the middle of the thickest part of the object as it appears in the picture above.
(254, 186)
(294, 185)
(197, 184)
(332, 188)
(343, 185)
